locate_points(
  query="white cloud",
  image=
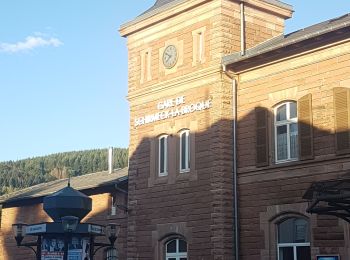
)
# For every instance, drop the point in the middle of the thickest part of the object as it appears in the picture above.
(30, 43)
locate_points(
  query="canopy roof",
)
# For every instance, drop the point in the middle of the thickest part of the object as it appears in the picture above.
(330, 197)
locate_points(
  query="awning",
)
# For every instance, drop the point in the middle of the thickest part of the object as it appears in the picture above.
(330, 197)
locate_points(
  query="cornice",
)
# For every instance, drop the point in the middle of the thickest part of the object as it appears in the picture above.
(283, 10)
(179, 6)
(175, 83)
(158, 15)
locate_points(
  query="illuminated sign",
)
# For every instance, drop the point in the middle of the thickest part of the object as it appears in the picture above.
(171, 108)
(328, 257)
(34, 229)
(96, 229)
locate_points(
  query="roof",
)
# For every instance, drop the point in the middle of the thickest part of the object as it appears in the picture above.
(159, 7)
(299, 36)
(331, 197)
(339, 188)
(83, 182)
(163, 5)
(160, 4)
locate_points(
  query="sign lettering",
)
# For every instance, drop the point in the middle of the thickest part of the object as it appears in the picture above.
(172, 108)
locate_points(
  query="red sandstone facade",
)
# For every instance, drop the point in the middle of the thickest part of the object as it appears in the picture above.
(308, 72)
(197, 205)
(232, 76)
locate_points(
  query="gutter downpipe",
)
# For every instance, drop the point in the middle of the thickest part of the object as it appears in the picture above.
(234, 166)
(235, 186)
(242, 28)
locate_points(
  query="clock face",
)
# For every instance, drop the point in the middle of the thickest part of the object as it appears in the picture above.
(170, 56)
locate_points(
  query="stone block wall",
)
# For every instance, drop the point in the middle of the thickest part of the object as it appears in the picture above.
(265, 193)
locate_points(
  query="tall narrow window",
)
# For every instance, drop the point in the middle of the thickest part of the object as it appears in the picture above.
(163, 155)
(185, 151)
(293, 240)
(201, 46)
(145, 65)
(113, 205)
(286, 132)
(198, 50)
(176, 249)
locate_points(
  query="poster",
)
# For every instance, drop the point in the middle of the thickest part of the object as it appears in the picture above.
(53, 248)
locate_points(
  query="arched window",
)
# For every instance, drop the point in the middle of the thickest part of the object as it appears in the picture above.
(176, 249)
(286, 132)
(293, 239)
(163, 155)
(184, 151)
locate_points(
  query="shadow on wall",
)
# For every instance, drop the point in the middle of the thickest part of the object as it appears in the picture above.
(197, 204)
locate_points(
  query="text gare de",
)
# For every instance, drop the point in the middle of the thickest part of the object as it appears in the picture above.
(171, 113)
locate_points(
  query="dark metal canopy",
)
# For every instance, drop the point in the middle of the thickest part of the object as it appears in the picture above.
(330, 197)
(67, 202)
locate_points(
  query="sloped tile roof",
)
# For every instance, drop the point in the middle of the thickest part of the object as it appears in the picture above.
(163, 5)
(289, 39)
(83, 182)
(170, 3)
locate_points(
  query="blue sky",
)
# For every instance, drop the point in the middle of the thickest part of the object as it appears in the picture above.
(63, 71)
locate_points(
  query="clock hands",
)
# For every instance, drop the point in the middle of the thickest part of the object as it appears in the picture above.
(167, 56)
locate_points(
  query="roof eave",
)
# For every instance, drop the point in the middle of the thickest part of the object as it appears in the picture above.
(29, 194)
(231, 59)
(39, 197)
(125, 29)
(283, 9)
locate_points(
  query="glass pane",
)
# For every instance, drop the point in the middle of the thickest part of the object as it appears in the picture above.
(281, 113)
(188, 151)
(292, 110)
(172, 258)
(285, 231)
(171, 247)
(282, 143)
(293, 140)
(162, 155)
(183, 258)
(301, 231)
(293, 230)
(183, 151)
(303, 253)
(182, 246)
(286, 253)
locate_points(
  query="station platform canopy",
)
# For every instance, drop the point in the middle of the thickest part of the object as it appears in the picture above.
(331, 197)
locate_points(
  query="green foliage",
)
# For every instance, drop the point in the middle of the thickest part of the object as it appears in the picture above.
(20, 174)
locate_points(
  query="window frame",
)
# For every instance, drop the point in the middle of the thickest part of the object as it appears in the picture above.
(177, 255)
(187, 152)
(292, 245)
(113, 209)
(200, 46)
(165, 172)
(287, 122)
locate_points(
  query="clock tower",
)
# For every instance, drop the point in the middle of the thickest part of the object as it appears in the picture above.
(181, 177)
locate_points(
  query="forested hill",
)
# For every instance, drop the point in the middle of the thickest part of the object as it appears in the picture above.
(24, 173)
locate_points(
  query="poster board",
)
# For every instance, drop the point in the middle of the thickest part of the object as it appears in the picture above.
(52, 248)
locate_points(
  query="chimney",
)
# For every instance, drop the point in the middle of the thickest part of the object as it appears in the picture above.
(110, 160)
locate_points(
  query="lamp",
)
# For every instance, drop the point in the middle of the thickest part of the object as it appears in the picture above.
(19, 232)
(112, 231)
(111, 253)
(69, 223)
